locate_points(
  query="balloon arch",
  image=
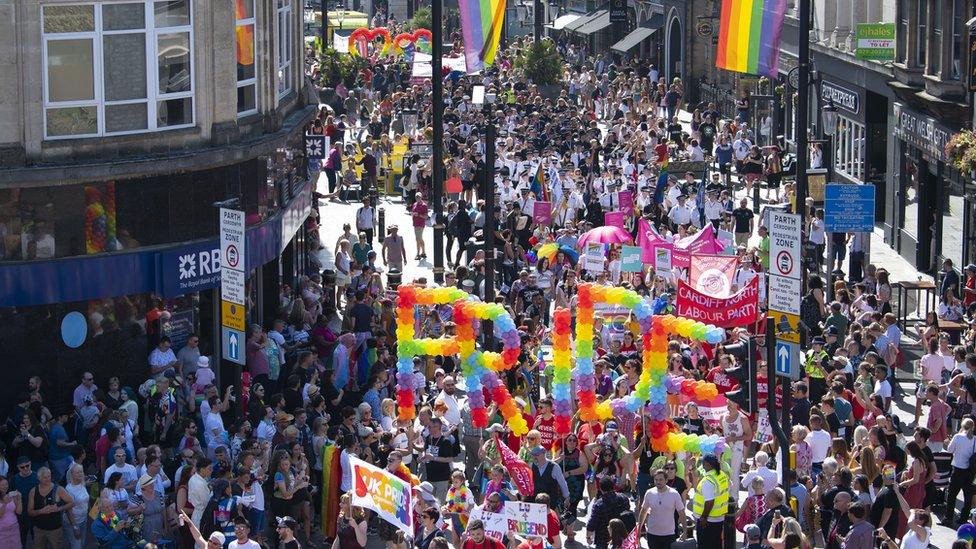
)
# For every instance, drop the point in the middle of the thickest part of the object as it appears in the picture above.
(480, 369)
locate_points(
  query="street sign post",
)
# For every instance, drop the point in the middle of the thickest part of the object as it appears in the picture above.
(788, 359)
(849, 208)
(786, 326)
(784, 294)
(232, 276)
(784, 244)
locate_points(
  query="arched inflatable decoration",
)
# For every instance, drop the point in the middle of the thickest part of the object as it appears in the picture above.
(363, 38)
(479, 368)
(654, 383)
(404, 39)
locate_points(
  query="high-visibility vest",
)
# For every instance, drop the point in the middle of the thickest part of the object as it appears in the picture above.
(813, 365)
(721, 505)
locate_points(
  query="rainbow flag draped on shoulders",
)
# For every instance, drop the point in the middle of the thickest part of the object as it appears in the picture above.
(481, 28)
(749, 36)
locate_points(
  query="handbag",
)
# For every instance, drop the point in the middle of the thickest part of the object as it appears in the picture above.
(962, 410)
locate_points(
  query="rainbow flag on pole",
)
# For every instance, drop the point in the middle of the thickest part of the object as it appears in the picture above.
(481, 28)
(748, 39)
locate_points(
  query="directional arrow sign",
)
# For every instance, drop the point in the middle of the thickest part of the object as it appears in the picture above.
(233, 344)
(788, 359)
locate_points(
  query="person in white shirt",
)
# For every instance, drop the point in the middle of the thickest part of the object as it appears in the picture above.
(526, 202)
(128, 471)
(680, 213)
(448, 396)
(761, 471)
(242, 529)
(198, 490)
(162, 357)
(819, 441)
(657, 511)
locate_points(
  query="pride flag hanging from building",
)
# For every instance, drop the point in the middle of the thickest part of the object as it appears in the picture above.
(481, 28)
(748, 39)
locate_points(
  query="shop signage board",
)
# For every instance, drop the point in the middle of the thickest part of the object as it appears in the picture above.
(618, 11)
(876, 41)
(788, 359)
(921, 131)
(849, 208)
(784, 244)
(232, 252)
(843, 98)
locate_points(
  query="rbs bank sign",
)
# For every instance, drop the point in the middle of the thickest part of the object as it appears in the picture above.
(190, 269)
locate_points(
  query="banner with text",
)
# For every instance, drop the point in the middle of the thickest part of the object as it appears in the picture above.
(381, 491)
(542, 213)
(522, 519)
(713, 274)
(740, 309)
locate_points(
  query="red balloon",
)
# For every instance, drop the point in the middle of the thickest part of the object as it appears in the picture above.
(562, 425)
(479, 417)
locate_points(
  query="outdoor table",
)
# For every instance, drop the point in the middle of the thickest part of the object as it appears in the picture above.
(953, 328)
(920, 286)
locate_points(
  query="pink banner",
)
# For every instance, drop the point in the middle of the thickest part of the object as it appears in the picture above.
(542, 213)
(626, 201)
(704, 241)
(740, 309)
(614, 219)
(712, 274)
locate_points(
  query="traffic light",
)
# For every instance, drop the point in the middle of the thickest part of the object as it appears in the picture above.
(745, 373)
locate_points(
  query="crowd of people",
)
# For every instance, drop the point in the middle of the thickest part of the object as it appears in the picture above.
(183, 461)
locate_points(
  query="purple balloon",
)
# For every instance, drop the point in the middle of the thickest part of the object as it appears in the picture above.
(490, 380)
(586, 383)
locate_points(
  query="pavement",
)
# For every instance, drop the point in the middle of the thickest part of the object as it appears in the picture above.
(334, 213)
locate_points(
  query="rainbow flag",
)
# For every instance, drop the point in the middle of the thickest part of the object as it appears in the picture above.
(481, 28)
(748, 39)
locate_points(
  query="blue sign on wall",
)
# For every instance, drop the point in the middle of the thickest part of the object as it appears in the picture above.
(849, 208)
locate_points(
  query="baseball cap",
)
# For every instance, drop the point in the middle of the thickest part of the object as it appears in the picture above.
(538, 450)
(218, 537)
(287, 522)
(611, 426)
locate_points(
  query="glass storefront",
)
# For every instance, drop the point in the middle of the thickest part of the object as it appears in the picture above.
(66, 221)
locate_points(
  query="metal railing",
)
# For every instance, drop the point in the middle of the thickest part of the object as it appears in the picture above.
(721, 95)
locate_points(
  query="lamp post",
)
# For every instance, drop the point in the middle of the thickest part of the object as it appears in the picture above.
(437, 159)
(324, 16)
(487, 102)
(828, 125)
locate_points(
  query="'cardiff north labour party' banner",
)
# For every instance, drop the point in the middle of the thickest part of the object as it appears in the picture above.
(382, 492)
(739, 309)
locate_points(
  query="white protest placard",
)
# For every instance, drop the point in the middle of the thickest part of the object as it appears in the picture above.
(593, 257)
(496, 525)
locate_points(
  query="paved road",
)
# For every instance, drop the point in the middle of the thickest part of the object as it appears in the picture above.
(334, 214)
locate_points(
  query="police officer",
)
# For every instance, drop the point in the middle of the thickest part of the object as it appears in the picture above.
(711, 503)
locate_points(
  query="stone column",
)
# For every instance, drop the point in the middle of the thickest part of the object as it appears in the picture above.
(859, 14)
(219, 80)
(842, 26)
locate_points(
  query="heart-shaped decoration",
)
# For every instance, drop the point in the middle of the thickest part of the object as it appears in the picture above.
(403, 40)
(362, 42)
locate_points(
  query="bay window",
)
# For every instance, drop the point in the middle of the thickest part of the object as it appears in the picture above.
(246, 74)
(285, 43)
(117, 68)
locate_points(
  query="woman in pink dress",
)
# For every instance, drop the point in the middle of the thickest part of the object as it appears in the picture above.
(10, 507)
(913, 482)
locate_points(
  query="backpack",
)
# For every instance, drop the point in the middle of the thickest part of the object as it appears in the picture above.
(810, 312)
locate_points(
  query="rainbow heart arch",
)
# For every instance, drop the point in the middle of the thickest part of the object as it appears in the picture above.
(481, 369)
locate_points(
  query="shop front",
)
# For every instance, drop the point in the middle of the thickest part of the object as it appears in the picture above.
(119, 260)
(934, 210)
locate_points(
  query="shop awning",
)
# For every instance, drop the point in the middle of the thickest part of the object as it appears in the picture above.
(598, 23)
(563, 21)
(575, 25)
(635, 37)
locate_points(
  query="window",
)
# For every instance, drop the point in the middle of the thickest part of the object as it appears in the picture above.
(117, 68)
(958, 15)
(849, 151)
(246, 74)
(935, 62)
(285, 45)
(901, 40)
(921, 41)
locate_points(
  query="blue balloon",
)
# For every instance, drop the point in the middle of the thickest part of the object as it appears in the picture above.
(74, 329)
